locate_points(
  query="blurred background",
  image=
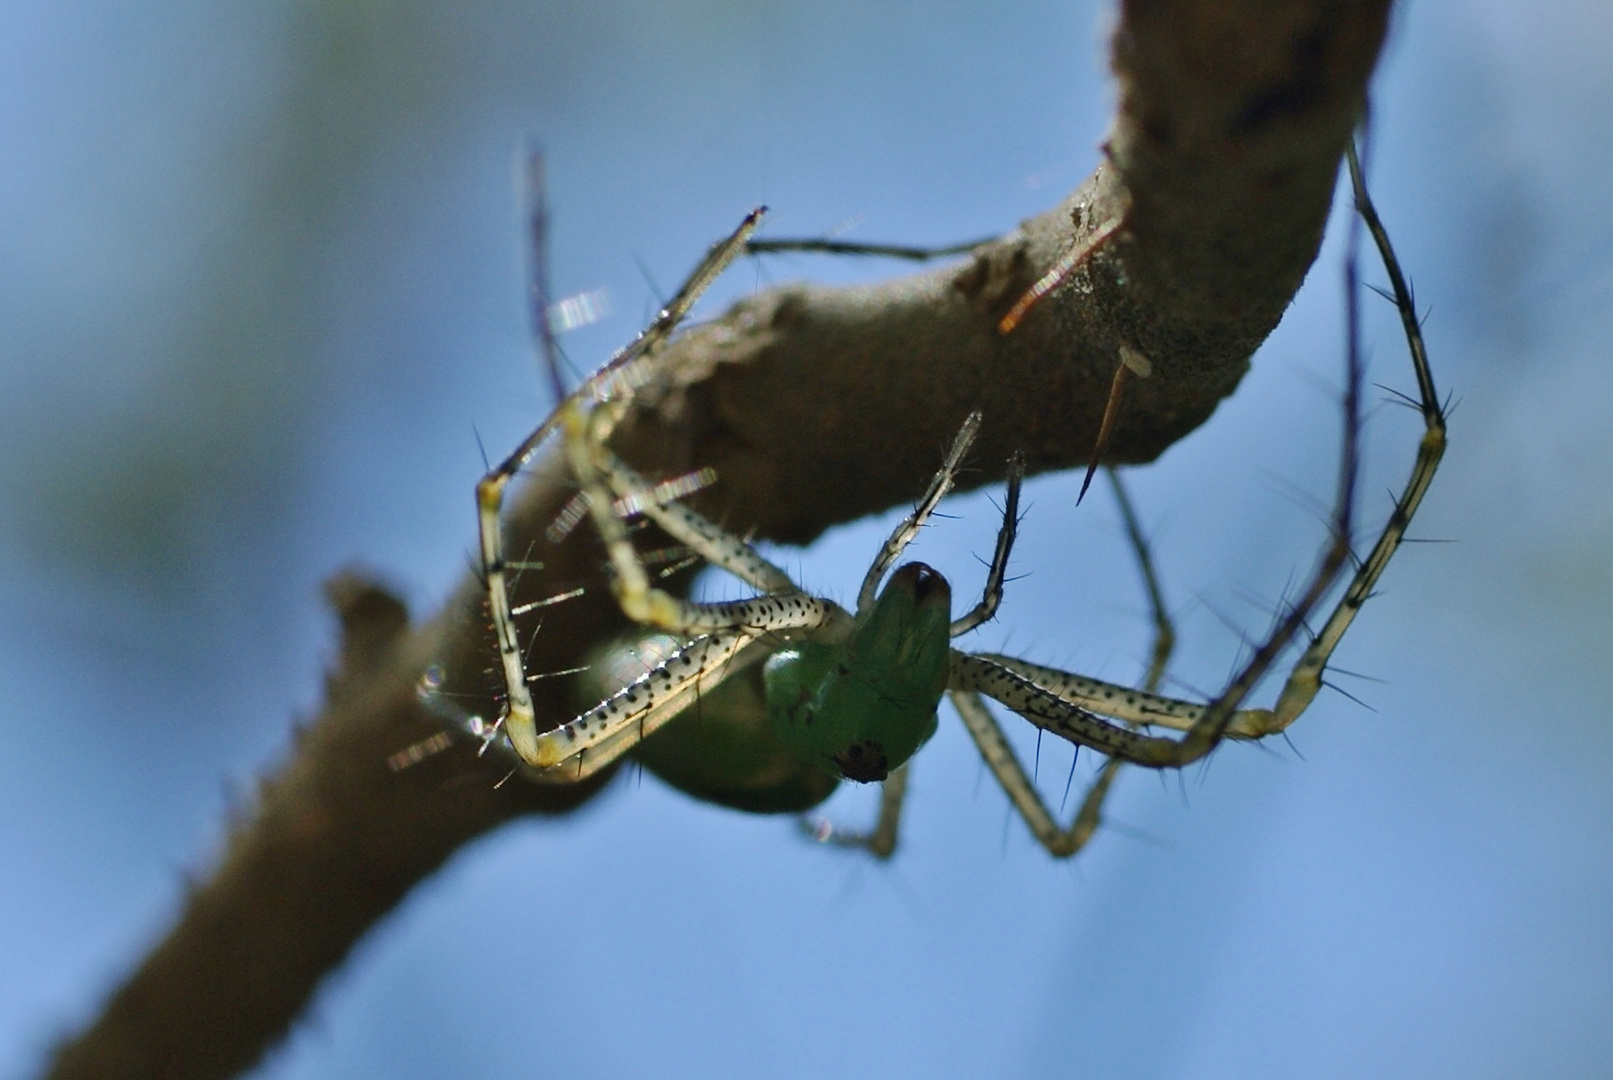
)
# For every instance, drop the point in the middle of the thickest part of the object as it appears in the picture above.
(261, 288)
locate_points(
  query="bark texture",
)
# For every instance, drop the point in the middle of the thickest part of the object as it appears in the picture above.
(815, 406)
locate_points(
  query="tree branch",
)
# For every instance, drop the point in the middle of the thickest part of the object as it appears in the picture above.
(815, 406)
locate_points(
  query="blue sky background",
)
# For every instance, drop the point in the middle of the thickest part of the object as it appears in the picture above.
(261, 282)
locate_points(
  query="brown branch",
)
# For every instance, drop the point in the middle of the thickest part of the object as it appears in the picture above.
(815, 406)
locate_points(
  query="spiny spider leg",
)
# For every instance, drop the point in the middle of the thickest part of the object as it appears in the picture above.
(730, 629)
(537, 271)
(619, 375)
(1306, 680)
(993, 594)
(1164, 629)
(1028, 696)
(610, 729)
(703, 537)
(642, 602)
(825, 246)
(881, 841)
(726, 628)
(1126, 703)
(908, 529)
(1004, 764)
(998, 753)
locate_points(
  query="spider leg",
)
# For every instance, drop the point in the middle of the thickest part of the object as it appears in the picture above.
(1306, 679)
(610, 729)
(619, 374)
(999, 754)
(1054, 701)
(826, 246)
(905, 532)
(643, 602)
(1053, 713)
(726, 630)
(1004, 765)
(1126, 703)
(1164, 631)
(881, 842)
(1021, 687)
(993, 594)
(700, 535)
(537, 271)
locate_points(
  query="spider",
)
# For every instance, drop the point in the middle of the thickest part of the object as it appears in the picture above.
(853, 694)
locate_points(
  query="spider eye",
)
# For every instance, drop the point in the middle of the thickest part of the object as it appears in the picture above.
(924, 582)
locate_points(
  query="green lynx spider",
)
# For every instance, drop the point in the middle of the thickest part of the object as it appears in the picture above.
(895, 645)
